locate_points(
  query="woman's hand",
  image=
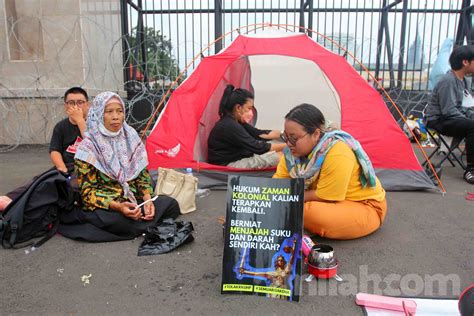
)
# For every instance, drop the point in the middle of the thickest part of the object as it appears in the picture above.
(127, 209)
(277, 147)
(148, 208)
(272, 135)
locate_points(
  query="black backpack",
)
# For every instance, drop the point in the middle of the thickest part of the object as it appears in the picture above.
(35, 213)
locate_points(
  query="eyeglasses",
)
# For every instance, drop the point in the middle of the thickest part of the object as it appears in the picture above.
(76, 102)
(290, 139)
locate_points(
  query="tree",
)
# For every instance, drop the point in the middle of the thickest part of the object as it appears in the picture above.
(161, 67)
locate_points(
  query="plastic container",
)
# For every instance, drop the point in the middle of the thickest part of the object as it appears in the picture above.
(322, 262)
(307, 245)
(323, 273)
(200, 193)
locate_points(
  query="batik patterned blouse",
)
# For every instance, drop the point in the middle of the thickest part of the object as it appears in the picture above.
(98, 190)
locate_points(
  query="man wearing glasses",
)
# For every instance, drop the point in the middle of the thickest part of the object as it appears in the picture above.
(68, 133)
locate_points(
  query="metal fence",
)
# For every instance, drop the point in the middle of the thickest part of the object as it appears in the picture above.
(398, 41)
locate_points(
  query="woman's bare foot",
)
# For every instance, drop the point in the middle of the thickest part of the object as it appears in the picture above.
(4, 202)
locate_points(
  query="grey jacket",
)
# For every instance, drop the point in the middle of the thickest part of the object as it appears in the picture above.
(446, 100)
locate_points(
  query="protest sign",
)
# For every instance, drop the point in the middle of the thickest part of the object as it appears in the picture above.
(262, 252)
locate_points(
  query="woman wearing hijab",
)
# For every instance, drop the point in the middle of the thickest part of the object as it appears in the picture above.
(343, 197)
(111, 167)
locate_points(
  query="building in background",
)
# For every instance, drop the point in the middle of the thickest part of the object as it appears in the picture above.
(46, 47)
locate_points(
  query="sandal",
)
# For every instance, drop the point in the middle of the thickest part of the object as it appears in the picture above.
(470, 196)
(469, 176)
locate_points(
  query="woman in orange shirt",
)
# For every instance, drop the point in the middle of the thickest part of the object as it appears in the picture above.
(343, 197)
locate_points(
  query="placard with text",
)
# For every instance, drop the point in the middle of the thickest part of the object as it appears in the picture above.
(264, 225)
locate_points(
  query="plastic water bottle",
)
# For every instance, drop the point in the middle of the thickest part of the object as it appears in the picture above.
(200, 193)
(189, 171)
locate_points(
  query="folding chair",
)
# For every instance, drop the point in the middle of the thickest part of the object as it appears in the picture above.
(444, 145)
(448, 147)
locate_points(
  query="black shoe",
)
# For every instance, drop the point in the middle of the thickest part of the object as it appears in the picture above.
(469, 176)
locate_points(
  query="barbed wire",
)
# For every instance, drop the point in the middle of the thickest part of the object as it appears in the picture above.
(29, 113)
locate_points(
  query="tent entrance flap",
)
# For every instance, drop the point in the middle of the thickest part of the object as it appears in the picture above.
(237, 74)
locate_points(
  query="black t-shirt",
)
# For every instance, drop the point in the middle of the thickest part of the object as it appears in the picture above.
(66, 137)
(230, 141)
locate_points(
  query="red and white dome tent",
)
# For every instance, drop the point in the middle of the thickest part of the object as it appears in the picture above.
(283, 69)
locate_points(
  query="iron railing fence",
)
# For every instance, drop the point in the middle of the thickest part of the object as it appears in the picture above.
(397, 40)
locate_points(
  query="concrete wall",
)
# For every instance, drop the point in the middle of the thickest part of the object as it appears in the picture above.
(29, 120)
(46, 47)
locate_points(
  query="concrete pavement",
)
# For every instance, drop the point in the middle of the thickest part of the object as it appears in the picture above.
(425, 244)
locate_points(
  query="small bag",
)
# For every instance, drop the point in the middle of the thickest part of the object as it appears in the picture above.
(182, 187)
(467, 100)
(165, 237)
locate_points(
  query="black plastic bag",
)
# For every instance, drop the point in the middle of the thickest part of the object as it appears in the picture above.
(165, 237)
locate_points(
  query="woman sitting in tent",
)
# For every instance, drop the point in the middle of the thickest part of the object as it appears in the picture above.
(235, 143)
(343, 197)
(111, 168)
